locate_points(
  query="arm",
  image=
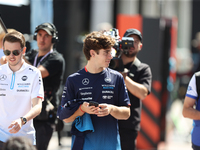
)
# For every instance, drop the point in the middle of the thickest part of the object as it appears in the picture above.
(81, 110)
(120, 113)
(136, 89)
(44, 71)
(35, 110)
(188, 109)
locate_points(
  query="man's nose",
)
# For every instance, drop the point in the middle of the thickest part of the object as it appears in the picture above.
(11, 54)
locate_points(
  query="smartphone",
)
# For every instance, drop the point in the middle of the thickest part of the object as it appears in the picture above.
(93, 103)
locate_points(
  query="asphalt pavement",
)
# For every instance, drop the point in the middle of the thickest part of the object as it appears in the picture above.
(65, 143)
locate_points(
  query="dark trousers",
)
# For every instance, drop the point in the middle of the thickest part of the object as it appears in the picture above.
(128, 139)
(195, 147)
(1, 145)
(44, 131)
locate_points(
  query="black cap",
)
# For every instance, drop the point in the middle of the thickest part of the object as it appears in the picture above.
(46, 27)
(133, 31)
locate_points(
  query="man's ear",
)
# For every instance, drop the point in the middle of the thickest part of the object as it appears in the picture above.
(92, 53)
(141, 46)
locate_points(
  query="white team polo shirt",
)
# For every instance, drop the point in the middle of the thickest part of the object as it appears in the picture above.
(16, 91)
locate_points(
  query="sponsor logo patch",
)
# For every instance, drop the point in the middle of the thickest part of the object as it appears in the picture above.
(85, 81)
(3, 77)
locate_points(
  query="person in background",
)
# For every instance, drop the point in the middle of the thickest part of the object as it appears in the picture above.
(138, 82)
(22, 91)
(104, 26)
(191, 110)
(18, 143)
(52, 66)
(95, 82)
(2, 34)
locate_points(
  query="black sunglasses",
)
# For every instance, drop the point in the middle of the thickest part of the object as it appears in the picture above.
(15, 52)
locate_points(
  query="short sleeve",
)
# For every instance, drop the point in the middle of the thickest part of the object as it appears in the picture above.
(191, 90)
(37, 90)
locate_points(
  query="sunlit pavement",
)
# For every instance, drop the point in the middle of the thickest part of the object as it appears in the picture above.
(65, 139)
(65, 143)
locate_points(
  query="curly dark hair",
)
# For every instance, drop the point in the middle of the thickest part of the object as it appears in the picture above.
(97, 40)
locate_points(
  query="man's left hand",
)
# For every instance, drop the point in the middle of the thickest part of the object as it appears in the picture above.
(104, 110)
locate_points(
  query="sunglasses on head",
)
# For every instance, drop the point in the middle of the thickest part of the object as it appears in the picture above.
(15, 52)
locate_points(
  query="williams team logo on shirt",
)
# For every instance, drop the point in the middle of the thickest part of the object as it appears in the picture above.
(24, 78)
(107, 80)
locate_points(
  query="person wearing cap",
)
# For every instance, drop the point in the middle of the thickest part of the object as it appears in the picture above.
(191, 105)
(21, 91)
(138, 80)
(52, 65)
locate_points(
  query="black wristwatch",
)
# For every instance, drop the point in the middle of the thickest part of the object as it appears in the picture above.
(24, 120)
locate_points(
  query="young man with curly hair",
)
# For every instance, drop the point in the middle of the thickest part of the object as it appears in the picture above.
(95, 82)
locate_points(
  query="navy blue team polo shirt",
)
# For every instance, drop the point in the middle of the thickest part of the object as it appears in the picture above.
(105, 87)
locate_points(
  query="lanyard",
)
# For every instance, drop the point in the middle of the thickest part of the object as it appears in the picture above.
(34, 64)
(12, 81)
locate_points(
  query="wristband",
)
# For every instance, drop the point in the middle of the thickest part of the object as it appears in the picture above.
(81, 109)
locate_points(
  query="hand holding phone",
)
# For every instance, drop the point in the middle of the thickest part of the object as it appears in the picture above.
(93, 103)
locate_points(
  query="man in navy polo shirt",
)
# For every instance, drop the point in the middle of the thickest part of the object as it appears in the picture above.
(101, 84)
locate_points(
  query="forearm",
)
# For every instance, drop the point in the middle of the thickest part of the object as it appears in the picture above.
(36, 110)
(136, 89)
(120, 113)
(84, 108)
(77, 113)
(191, 113)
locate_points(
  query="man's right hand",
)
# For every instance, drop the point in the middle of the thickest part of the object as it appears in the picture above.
(15, 126)
(89, 109)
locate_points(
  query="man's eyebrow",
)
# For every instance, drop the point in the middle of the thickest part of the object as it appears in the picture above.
(107, 50)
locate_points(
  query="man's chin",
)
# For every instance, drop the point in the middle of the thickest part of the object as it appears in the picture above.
(130, 55)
